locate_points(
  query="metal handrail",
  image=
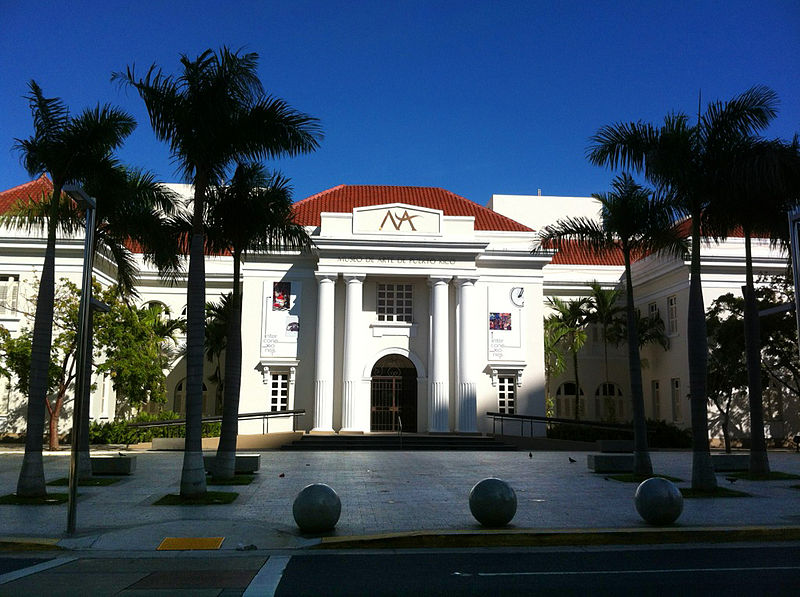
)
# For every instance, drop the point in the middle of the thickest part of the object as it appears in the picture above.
(550, 420)
(217, 418)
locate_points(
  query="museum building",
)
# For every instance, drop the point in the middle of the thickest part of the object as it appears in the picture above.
(417, 310)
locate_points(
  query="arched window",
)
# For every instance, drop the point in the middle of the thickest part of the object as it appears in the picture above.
(179, 399)
(608, 397)
(164, 309)
(565, 401)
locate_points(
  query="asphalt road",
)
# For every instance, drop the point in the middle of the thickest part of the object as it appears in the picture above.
(707, 571)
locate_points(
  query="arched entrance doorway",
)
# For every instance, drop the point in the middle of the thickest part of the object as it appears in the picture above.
(393, 395)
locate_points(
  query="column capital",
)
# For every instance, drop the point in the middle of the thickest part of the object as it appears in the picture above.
(434, 280)
(322, 277)
(353, 277)
(462, 280)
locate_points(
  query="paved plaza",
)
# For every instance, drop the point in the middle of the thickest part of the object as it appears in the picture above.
(381, 492)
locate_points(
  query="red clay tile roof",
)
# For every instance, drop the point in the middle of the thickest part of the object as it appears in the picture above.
(32, 189)
(343, 198)
(576, 253)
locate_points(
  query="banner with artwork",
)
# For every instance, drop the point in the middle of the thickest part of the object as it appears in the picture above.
(280, 318)
(504, 320)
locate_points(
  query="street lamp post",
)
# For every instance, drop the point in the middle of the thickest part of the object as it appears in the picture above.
(84, 323)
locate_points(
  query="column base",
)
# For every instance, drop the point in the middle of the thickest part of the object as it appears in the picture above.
(322, 432)
(351, 432)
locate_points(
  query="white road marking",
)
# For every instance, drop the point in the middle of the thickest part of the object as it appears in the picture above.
(645, 571)
(23, 572)
(265, 582)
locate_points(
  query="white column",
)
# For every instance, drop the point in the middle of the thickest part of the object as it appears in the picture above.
(439, 386)
(466, 403)
(323, 369)
(352, 365)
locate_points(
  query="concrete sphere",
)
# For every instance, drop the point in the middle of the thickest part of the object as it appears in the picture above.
(493, 502)
(658, 501)
(316, 508)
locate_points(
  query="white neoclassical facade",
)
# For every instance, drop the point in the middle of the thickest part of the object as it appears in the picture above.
(417, 309)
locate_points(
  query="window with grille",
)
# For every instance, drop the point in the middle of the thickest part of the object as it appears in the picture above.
(9, 288)
(675, 386)
(672, 314)
(656, 398)
(279, 392)
(506, 394)
(394, 302)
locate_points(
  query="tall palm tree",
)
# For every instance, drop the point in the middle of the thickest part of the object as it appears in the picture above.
(687, 162)
(605, 312)
(633, 224)
(252, 213)
(570, 319)
(130, 207)
(218, 316)
(762, 185)
(213, 114)
(67, 148)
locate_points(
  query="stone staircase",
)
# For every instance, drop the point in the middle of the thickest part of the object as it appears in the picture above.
(410, 442)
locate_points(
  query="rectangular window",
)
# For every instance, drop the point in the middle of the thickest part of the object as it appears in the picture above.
(394, 302)
(279, 392)
(652, 310)
(655, 392)
(506, 394)
(675, 385)
(672, 314)
(9, 289)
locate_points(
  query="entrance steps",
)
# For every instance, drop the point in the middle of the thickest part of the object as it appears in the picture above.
(410, 442)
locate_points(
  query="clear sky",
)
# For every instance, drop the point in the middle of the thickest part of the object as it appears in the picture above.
(477, 97)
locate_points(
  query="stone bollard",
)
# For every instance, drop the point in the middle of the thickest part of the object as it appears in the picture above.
(658, 501)
(493, 502)
(316, 508)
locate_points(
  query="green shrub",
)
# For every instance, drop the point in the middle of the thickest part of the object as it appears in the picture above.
(120, 432)
(660, 434)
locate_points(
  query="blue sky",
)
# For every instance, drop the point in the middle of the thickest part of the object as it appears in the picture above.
(477, 97)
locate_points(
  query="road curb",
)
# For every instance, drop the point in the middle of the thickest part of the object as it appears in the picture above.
(560, 537)
(29, 544)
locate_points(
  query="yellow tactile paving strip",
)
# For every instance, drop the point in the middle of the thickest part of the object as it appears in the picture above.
(189, 543)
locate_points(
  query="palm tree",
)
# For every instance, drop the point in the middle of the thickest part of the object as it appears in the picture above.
(686, 161)
(570, 322)
(254, 212)
(213, 114)
(634, 225)
(554, 362)
(604, 312)
(762, 185)
(218, 316)
(67, 148)
(130, 207)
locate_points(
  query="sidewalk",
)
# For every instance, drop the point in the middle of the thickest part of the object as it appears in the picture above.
(381, 493)
(389, 499)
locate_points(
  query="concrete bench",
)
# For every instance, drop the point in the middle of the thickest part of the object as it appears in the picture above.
(113, 465)
(245, 463)
(606, 446)
(724, 463)
(610, 463)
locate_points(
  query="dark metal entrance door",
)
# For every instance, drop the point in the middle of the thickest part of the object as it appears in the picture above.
(386, 393)
(394, 395)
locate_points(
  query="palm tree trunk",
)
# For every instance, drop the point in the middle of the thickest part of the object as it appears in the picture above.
(31, 476)
(642, 465)
(703, 477)
(759, 461)
(225, 462)
(193, 477)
